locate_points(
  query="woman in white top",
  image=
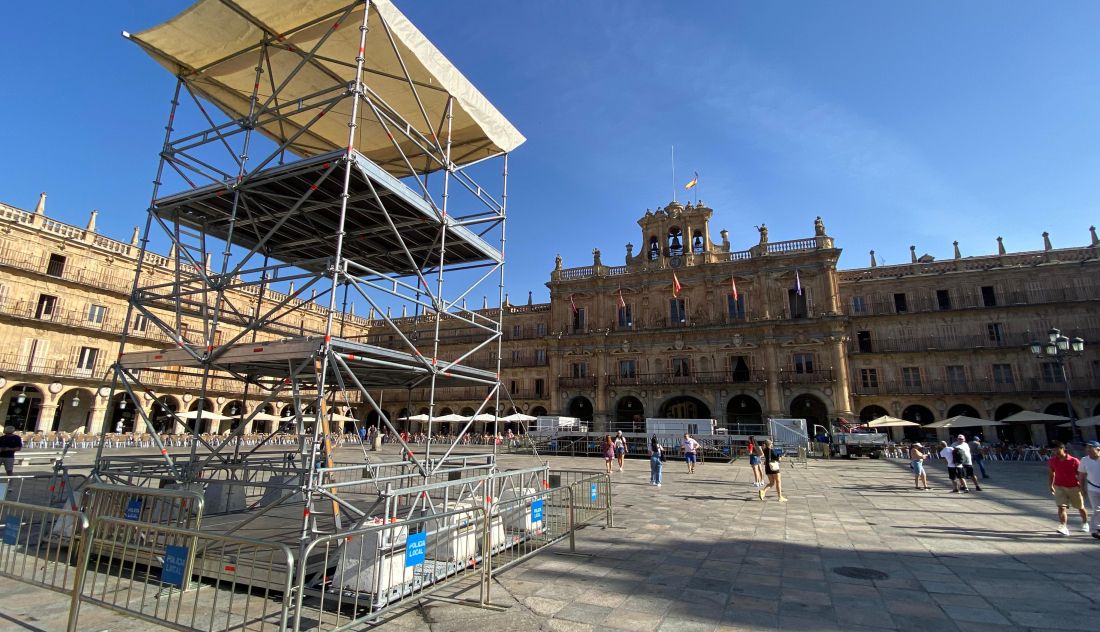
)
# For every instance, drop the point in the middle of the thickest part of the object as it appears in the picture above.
(620, 449)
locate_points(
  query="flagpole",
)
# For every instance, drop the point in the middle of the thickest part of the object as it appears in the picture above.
(674, 173)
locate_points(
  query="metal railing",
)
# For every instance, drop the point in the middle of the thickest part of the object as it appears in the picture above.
(194, 581)
(39, 544)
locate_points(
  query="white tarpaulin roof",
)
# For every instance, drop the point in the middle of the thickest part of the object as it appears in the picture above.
(214, 45)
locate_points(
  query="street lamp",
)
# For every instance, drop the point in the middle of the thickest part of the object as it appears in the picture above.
(1058, 349)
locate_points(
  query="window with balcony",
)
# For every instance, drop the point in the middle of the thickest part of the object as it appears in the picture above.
(540, 356)
(996, 332)
(628, 368)
(141, 323)
(1052, 373)
(540, 387)
(85, 359)
(910, 376)
(735, 308)
(900, 304)
(516, 355)
(989, 297)
(516, 331)
(580, 369)
(681, 367)
(626, 319)
(46, 306)
(863, 339)
(677, 313)
(956, 374)
(943, 299)
(739, 366)
(97, 313)
(869, 378)
(56, 265)
(798, 304)
(803, 362)
(514, 387)
(858, 305)
(1002, 374)
(540, 329)
(578, 320)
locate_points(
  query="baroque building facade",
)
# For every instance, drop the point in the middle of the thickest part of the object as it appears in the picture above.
(685, 327)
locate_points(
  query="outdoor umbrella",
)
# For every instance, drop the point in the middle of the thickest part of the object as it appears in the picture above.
(206, 414)
(518, 417)
(451, 417)
(1083, 423)
(1030, 417)
(262, 416)
(962, 421)
(886, 421)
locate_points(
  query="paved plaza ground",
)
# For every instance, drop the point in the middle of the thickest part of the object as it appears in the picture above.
(703, 553)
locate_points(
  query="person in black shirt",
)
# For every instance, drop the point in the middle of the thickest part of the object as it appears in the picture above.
(10, 443)
(771, 468)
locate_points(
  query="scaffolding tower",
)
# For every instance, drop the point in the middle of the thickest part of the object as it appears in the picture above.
(330, 148)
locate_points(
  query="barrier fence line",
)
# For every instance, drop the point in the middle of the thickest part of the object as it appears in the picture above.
(186, 579)
(39, 544)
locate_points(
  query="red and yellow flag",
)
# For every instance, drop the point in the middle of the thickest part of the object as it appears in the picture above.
(676, 287)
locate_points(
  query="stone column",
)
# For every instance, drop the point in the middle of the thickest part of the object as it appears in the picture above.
(842, 395)
(773, 402)
(46, 413)
(98, 417)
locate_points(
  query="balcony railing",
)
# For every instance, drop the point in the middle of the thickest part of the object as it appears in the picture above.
(819, 376)
(698, 377)
(970, 386)
(878, 306)
(577, 382)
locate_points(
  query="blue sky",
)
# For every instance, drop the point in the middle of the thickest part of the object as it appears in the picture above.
(898, 122)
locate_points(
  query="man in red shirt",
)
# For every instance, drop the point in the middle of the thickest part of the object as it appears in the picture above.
(1065, 486)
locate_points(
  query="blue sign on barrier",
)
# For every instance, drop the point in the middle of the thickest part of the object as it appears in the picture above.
(536, 510)
(415, 548)
(133, 509)
(11, 529)
(594, 494)
(175, 564)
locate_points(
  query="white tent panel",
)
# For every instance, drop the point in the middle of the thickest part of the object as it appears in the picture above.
(214, 46)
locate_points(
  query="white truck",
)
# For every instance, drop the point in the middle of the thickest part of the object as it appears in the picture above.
(552, 423)
(665, 427)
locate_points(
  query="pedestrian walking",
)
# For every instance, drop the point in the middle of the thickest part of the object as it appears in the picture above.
(917, 455)
(976, 454)
(963, 450)
(656, 461)
(954, 470)
(754, 463)
(620, 449)
(608, 449)
(1089, 475)
(1065, 486)
(10, 443)
(771, 466)
(690, 448)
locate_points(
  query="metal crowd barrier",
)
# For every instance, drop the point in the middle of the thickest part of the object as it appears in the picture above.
(39, 544)
(195, 581)
(591, 494)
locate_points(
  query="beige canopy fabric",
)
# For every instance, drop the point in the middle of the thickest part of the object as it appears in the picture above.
(886, 421)
(1031, 417)
(962, 421)
(215, 46)
(206, 414)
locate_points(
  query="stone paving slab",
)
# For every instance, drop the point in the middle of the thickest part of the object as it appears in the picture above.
(703, 553)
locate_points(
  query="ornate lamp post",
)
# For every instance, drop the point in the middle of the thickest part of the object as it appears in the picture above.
(1057, 350)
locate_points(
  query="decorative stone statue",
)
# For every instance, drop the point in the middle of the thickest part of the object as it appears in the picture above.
(763, 228)
(819, 227)
(595, 256)
(629, 252)
(557, 262)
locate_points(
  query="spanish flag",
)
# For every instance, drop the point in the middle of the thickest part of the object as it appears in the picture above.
(694, 181)
(676, 287)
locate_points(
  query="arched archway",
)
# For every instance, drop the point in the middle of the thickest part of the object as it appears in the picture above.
(963, 409)
(203, 425)
(581, 408)
(162, 412)
(538, 411)
(744, 410)
(810, 408)
(232, 409)
(1006, 410)
(684, 407)
(261, 425)
(629, 415)
(919, 414)
(22, 406)
(1012, 433)
(122, 413)
(1054, 428)
(872, 412)
(74, 410)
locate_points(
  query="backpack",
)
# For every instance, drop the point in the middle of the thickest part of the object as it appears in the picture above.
(958, 456)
